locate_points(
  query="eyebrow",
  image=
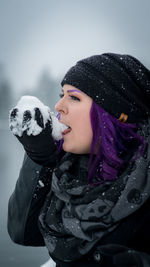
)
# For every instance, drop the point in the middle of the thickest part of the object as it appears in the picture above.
(74, 90)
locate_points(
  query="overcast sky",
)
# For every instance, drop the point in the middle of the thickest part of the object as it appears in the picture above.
(54, 34)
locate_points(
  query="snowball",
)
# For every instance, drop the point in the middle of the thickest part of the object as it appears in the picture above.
(58, 128)
(29, 103)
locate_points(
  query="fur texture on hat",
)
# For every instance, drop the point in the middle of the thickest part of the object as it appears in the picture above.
(119, 83)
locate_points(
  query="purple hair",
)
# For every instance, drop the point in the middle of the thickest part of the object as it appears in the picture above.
(111, 140)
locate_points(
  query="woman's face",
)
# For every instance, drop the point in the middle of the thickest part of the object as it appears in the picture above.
(74, 108)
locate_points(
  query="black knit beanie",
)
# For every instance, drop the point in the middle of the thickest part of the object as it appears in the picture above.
(118, 83)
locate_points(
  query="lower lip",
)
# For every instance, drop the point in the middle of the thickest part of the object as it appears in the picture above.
(67, 131)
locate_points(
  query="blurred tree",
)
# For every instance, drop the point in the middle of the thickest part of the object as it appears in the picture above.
(5, 94)
(47, 89)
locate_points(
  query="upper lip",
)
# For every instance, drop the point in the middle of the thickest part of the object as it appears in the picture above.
(64, 123)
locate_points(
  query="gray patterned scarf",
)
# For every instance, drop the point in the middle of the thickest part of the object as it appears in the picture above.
(76, 216)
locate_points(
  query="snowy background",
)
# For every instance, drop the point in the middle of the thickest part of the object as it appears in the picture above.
(39, 41)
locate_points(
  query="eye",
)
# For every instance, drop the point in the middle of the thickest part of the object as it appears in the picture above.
(75, 98)
(61, 95)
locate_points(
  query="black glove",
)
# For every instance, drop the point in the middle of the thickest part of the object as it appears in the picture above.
(124, 257)
(40, 148)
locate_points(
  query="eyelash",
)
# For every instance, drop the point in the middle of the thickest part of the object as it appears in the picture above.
(72, 96)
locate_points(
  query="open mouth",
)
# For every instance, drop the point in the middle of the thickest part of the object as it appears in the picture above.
(68, 130)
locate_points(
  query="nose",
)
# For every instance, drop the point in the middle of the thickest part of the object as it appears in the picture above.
(61, 107)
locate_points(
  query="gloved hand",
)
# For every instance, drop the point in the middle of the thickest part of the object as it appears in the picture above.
(124, 257)
(31, 122)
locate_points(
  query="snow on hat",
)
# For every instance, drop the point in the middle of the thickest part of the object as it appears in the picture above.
(118, 83)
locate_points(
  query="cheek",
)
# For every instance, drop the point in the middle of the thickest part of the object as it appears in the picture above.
(80, 139)
(84, 123)
(84, 130)
(86, 136)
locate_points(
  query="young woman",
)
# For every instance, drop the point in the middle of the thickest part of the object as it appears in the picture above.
(87, 197)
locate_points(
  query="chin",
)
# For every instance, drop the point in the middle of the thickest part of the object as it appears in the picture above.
(69, 149)
(74, 150)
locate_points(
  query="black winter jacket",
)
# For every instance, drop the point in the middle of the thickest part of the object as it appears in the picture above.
(28, 198)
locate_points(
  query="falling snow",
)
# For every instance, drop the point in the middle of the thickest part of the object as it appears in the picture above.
(41, 183)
